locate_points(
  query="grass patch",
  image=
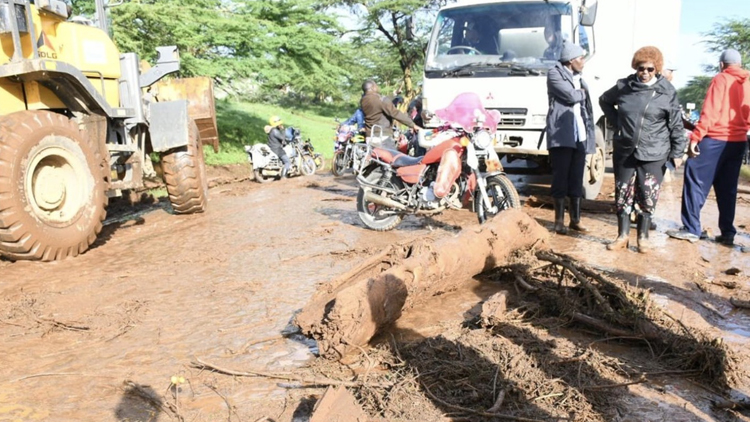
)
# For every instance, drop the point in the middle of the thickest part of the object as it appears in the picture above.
(241, 123)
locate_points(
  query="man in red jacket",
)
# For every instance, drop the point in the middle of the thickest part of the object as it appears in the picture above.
(716, 147)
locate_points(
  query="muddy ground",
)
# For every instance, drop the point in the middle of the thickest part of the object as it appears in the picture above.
(101, 337)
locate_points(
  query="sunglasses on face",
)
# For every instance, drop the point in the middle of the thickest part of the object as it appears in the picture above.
(644, 68)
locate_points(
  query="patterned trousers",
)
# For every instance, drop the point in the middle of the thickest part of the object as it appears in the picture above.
(637, 182)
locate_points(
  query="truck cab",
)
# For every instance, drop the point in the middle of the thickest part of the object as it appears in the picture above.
(502, 50)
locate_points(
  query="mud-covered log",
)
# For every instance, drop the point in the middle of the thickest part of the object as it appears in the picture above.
(348, 316)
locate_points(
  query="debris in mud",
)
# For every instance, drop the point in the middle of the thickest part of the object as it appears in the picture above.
(733, 271)
(338, 405)
(742, 301)
(345, 316)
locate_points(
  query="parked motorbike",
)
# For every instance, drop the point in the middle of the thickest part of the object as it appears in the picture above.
(267, 165)
(460, 167)
(349, 150)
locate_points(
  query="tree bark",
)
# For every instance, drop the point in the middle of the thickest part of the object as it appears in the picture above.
(348, 318)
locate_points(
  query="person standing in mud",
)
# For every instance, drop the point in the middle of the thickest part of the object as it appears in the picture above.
(276, 140)
(645, 112)
(570, 134)
(721, 133)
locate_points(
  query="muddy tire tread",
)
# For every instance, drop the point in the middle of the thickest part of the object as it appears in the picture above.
(185, 175)
(20, 237)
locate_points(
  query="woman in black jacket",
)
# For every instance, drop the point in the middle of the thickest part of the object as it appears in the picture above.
(645, 112)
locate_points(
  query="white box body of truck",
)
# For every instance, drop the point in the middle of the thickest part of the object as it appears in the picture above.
(502, 50)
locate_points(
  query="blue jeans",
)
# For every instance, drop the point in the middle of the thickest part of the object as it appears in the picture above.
(718, 165)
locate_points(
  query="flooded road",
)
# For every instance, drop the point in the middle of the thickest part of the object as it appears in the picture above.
(159, 291)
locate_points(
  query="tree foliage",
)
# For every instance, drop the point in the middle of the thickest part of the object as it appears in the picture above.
(398, 29)
(280, 44)
(694, 91)
(731, 33)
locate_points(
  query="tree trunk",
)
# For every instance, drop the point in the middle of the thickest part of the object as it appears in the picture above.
(346, 316)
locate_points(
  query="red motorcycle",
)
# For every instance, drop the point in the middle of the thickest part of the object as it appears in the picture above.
(460, 167)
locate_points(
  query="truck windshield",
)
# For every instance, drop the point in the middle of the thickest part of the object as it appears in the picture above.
(524, 33)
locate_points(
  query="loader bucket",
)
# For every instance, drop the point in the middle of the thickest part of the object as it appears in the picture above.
(199, 92)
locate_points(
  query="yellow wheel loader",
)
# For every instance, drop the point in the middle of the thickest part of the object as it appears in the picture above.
(77, 122)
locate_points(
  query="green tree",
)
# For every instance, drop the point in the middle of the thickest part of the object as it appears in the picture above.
(731, 33)
(281, 44)
(403, 25)
(694, 91)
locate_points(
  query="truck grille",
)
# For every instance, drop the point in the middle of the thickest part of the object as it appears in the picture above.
(512, 116)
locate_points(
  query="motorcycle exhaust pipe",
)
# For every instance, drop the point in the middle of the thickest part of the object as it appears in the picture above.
(382, 200)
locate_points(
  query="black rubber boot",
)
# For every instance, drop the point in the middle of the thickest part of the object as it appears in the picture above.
(575, 215)
(560, 216)
(644, 224)
(623, 233)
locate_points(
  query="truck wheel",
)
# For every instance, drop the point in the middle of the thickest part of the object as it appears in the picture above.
(185, 175)
(593, 173)
(52, 187)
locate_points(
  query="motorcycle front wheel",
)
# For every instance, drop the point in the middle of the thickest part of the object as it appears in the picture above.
(308, 167)
(339, 163)
(502, 195)
(375, 216)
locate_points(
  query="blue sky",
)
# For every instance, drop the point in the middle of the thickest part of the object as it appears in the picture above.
(699, 16)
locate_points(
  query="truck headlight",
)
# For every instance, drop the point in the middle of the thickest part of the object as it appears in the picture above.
(482, 139)
(538, 119)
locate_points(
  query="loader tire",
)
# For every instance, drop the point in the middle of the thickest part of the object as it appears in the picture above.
(185, 175)
(52, 187)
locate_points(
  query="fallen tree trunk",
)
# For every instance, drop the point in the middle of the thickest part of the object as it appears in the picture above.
(347, 317)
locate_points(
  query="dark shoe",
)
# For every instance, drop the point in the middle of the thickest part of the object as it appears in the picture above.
(683, 234)
(575, 215)
(644, 224)
(284, 172)
(560, 216)
(725, 240)
(623, 233)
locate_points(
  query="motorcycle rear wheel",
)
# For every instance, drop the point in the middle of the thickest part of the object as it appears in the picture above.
(501, 193)
(338, 165)
(320, 162)
(260, 178)
(369, 213)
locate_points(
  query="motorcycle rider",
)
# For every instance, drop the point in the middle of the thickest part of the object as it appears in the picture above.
(381, 111)
(276, 141)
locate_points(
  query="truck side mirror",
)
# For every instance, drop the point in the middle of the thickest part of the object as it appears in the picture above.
(588, 13)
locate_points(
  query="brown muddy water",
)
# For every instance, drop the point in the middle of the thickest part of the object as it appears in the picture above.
(158, 291)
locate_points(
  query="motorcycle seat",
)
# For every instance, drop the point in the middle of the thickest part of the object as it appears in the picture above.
(395, 158)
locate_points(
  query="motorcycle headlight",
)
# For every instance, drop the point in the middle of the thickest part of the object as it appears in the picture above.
(482, 139)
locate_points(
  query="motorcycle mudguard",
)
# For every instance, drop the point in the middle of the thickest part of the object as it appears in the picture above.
(410, 174)
(435, 154)
(471, 185)
(447, 172)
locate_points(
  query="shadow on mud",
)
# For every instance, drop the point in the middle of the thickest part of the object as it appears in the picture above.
(124, 212)
(139, 403)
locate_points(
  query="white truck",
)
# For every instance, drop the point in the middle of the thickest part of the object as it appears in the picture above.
(502, 49)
